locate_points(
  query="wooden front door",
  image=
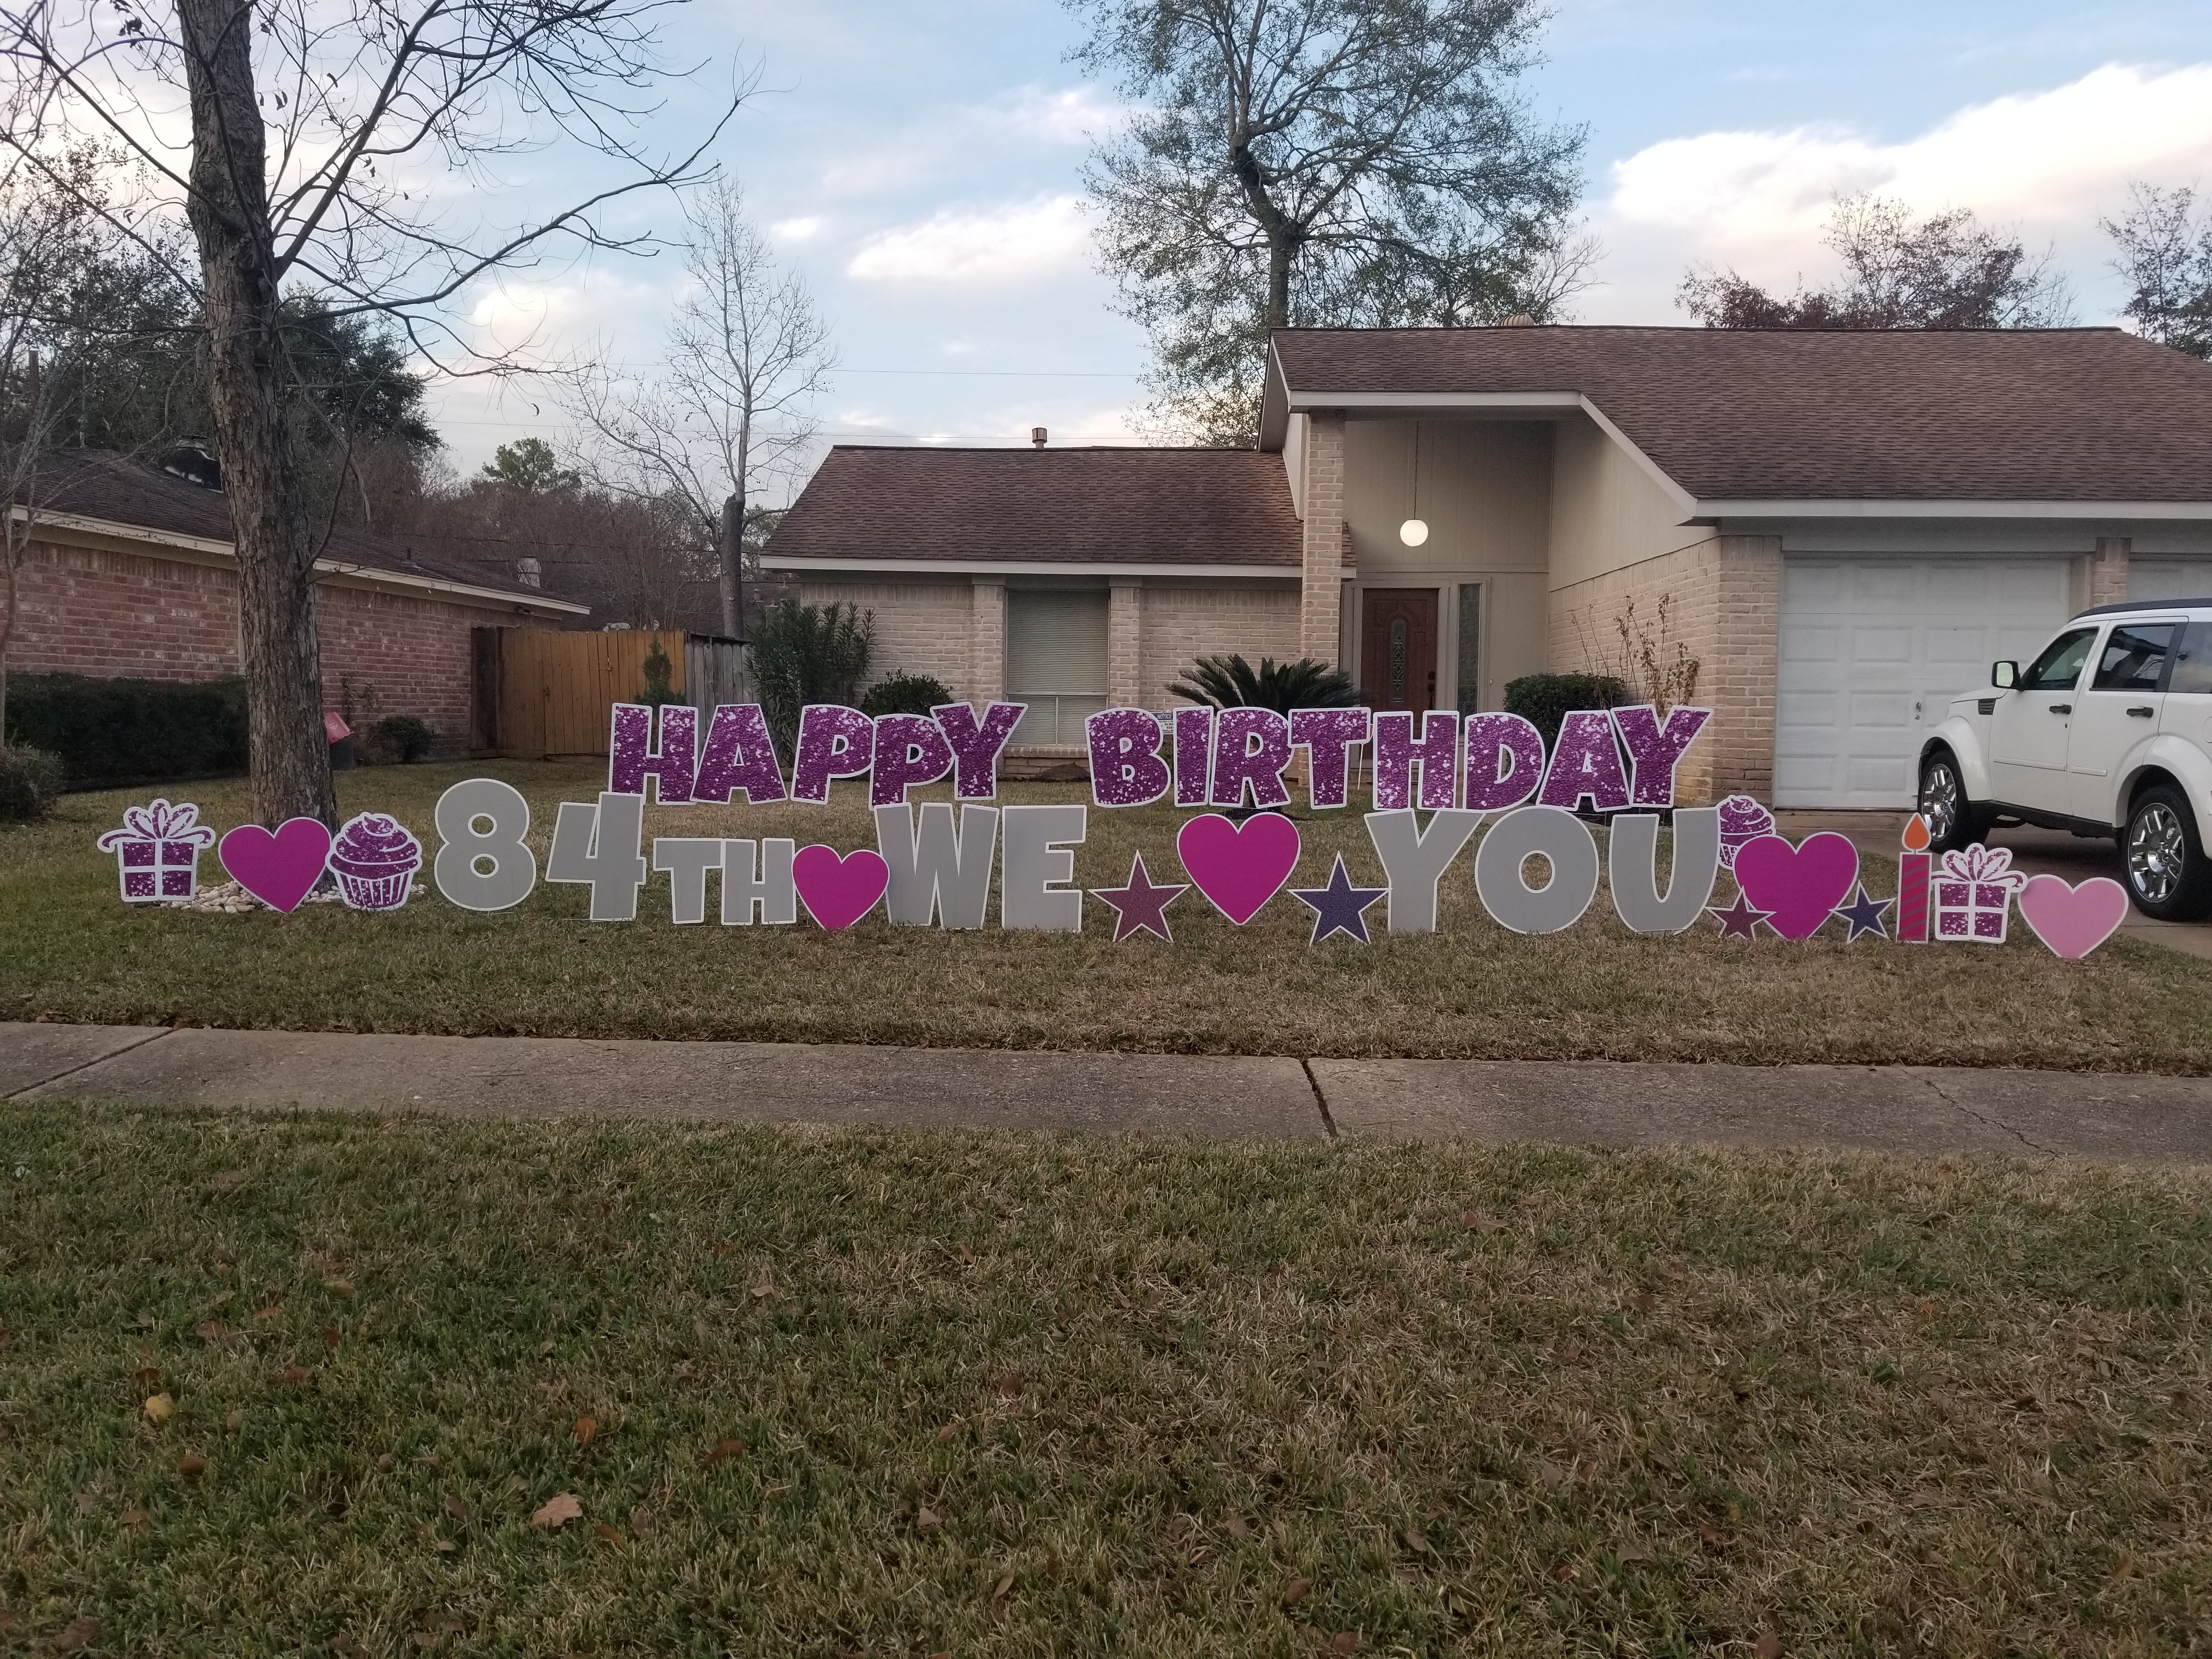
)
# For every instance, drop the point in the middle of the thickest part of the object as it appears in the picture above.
(1398, 648)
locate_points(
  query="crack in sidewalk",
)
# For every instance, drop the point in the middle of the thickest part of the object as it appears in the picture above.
(86, 1066)
(1320, 1099)
(1985, 1121)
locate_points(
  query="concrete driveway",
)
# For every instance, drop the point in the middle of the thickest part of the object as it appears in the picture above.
(2037, 852)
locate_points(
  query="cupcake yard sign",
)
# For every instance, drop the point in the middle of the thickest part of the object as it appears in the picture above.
(933, 862)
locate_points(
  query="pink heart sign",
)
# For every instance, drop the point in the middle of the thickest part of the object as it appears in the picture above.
(1239, 866)
(1799, 887)
(839, 891)
(279, 868)
(2072, 920)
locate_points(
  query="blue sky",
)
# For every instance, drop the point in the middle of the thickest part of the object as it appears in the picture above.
(920, 163)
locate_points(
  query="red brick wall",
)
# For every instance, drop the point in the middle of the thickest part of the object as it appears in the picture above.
(84, 610)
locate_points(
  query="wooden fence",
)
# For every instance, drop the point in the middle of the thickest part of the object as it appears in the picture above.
(541, 693)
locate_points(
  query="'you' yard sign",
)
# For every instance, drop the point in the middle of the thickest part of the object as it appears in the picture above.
(1433, 778)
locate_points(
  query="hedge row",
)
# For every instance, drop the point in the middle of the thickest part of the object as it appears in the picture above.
(110, 733)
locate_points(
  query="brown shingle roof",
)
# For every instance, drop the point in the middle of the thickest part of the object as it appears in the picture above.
(2088, 415)
(967, 507)
(101, 484)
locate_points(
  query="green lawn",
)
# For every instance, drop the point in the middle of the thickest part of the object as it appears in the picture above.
(74, 951)
(1471, 990)
(913, 1393)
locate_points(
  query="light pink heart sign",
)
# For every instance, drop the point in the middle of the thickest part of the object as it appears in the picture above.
(279, 868)
(1239, 866)
(839, 891)
(1799, 887)
(2072, 920)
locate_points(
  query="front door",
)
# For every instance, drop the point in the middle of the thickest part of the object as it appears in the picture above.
(2027, 731)
(1398, 648)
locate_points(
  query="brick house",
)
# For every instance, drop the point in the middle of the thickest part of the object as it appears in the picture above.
(1847, 528)
(130, 573)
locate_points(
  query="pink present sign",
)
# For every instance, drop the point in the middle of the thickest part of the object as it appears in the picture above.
(157, 851)
(1974, 895)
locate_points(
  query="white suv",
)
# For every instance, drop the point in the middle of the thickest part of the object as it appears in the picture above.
(2107, 732)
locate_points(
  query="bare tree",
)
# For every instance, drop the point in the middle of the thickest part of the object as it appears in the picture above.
(733, 404)
(1321, 162)
(1948, 270)
(2166, 255)
(319, 143)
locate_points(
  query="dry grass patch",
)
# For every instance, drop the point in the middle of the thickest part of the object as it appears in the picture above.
(1596, 991)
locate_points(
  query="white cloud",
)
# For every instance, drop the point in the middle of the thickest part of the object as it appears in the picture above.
(1075, 115)
(797, 230)
(2050, 162)
(988, 245)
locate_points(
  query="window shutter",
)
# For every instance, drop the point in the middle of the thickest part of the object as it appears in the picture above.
(1055, 644)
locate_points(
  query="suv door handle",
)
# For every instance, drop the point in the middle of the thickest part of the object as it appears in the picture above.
(2062, 708)
(2140, 713)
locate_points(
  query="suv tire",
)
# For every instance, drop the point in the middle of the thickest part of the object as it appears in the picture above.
(1952, 820)
(2162, 857)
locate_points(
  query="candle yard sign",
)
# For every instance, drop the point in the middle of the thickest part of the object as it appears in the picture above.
(934, 861)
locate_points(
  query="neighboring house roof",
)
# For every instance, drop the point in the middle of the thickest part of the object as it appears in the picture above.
(102, 490)
(1746, 416)
(1222, 511)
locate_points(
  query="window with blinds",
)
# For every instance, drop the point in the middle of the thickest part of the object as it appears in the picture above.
(1055, 661)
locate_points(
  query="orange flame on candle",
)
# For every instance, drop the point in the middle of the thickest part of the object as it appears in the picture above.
(1916, 834)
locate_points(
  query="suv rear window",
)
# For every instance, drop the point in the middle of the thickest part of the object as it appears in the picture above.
(2134, 657)
(2192, 664)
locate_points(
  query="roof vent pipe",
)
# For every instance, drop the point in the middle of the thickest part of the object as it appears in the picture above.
(1519, 319)
(1036, 436)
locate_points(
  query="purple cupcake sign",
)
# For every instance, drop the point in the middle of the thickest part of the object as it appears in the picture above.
(374, 860)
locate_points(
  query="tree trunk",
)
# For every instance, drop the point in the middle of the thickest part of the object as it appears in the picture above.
(734, 565)
(289, 755)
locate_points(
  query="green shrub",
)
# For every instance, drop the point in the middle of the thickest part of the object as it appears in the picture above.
(397, 740)
(1545, 699)
(1233, 683)
(807, 653)
(30, 781)
(660, 672)
(905, 694)
(109, 734)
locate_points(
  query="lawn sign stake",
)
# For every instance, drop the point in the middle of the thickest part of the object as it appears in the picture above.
(930, 866)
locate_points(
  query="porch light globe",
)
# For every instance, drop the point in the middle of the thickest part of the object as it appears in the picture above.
(1413, 532)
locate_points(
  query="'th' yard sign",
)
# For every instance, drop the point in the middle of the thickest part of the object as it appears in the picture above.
(933, 864)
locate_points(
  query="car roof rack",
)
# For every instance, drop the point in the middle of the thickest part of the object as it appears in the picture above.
(2143, 605)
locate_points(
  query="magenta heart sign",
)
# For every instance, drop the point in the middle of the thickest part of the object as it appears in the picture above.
(2072, 920)
(1238, 867)
(838, 891)
(1799, 887)
(280, 867)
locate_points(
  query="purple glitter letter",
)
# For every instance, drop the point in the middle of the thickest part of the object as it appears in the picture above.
(1397, 752)
(910, 749)
(1193, 730)
(1655, 750)
(1126, 767)
(1586, 761)
(739, 755)
(1328, 735)
(834, 742)
(975, 744)
(1236, 762)
(631, 758)
(1504, 762)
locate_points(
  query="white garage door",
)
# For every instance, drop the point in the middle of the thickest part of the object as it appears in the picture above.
(2162, 580)
(1873, 651)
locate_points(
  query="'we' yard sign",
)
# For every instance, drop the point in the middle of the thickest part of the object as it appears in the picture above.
(934, 861)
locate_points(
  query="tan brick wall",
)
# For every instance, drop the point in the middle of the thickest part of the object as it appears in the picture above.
(921, 627)
(1724, 597)
(1322, 596)
(1125, 644)
(1181, 622)
(2108, 571)
(116, 615)
(986, 643)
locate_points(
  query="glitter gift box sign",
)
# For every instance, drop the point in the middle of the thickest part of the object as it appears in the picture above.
(157, 851)
(1974, 895)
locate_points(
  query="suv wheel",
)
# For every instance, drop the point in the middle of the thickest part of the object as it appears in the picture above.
(2167, 875)
(1952, 821)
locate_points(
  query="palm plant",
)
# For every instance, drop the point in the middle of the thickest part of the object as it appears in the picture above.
(1233, 683)
(805, 653)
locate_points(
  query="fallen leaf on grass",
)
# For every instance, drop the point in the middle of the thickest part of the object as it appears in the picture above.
(211, 1330)
(77, 1635)
(641, 1520)
(723, 1450)
(929, 1517)
(1418, 1544)
(1234, 1526)
(1345, 1641)
(1295, 1591)
(292, 1374)
(330, 1336)
(1769, 1645)
(458, 1510)
(1005, 1583)
(951, 1429)
(147, 1375)
(558, 1510)
(585, 1428)
(338, 1286)
(1629, 1552)
(191, 1466)
(1709, 1533)
(88, 1502)
(132, 1518)
(1007, 1385)
(609, 1534)
(270, 1312)
(160, 1408)
(1481, 1223)
(764, 1289)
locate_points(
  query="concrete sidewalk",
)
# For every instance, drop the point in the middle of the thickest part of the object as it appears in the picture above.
(1920, 1109)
